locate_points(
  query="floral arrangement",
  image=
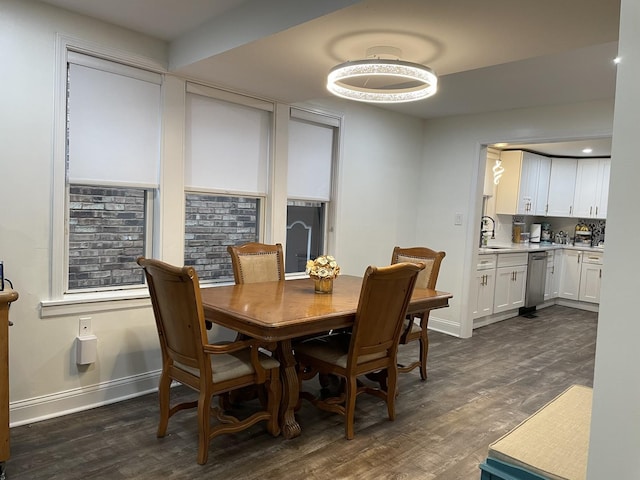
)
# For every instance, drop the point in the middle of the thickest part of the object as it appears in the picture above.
(324, 266)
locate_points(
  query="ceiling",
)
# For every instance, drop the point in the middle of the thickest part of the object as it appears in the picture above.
(490, 55)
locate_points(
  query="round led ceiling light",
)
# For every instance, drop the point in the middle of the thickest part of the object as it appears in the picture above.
(382, 80)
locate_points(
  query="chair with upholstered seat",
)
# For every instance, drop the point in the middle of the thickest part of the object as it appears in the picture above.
(209, 369)
(415, 326)
(372, 346)
(257, 262)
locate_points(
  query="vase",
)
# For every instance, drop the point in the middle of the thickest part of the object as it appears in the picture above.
(323, 285)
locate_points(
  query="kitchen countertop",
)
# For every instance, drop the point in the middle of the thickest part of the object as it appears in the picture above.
(532, 247)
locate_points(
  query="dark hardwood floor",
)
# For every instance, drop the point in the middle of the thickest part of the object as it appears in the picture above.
(477, 390)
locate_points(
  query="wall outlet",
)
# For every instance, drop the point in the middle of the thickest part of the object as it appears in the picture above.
(85, 326)
(457, 219)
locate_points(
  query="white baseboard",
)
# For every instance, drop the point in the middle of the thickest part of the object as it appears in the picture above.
(444, 326)
(84, 398)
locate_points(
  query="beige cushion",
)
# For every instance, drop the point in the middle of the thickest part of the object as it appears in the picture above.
(259, 267)
(232, 365)
(554, 441)
(333, 349)
(415, 327)
(423, 277)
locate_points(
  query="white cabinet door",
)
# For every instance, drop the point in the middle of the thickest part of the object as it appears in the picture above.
(534, 184)
(570, 275)
(540, 205)
(510, 288)
(562, 185)
(590, 279)
(557, 273)
(592, 188)
(602, 193)
(482, 295)
(550, 280)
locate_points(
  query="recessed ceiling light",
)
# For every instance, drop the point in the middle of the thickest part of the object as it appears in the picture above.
(587, 150)
(617, 60)
(500, 145)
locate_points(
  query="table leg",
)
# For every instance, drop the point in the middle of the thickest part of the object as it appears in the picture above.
(290, 390)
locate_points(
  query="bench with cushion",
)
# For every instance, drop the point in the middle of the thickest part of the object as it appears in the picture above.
(552, 444)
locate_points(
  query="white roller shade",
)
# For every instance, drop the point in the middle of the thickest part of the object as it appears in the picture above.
(227, 146)
(114, 124)
(310, 160)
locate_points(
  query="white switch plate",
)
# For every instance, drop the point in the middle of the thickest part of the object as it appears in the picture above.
(457, 219)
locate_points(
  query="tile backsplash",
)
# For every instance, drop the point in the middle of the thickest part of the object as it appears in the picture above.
(558, 224)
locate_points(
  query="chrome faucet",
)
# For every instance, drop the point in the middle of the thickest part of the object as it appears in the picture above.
(483, 224)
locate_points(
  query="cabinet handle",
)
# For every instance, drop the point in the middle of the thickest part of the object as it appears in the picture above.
(570, 209)
(600, 273)
(590, 211)
(596, 210)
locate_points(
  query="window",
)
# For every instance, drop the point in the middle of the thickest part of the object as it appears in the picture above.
(212, 223)
(228, 141)
(112, 161)
(309, 183)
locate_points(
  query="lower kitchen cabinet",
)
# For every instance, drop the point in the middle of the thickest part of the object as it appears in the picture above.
(511, 282)
(483, 286)
(552, 281)
(590, 278)
(570, 275)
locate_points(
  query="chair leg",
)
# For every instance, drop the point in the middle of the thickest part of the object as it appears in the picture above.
(350, 406)
(163, 400)
(392, 386)
(204, 426)
(424, 348)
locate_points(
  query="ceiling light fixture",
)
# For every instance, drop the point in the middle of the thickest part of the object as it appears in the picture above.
(382, 80)
(587, 150)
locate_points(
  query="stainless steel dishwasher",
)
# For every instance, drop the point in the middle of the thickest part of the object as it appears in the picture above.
(536, 277)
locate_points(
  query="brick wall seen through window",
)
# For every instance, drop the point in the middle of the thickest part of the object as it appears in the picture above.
(212, 223)
(106, 236)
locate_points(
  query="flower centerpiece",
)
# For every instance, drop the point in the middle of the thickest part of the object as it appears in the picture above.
(323, 270)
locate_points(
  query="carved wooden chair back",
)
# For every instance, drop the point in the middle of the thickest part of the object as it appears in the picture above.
(257, 262)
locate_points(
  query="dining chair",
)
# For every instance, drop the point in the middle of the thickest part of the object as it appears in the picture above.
(415, 326)
(257, 262)
(209, 369)
(372, 346)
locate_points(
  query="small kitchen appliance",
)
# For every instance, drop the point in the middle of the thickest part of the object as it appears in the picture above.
(535, 232)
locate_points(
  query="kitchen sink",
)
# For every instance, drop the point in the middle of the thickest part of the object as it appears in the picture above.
(491, 247)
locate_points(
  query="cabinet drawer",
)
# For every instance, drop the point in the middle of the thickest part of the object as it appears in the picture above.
(512, 259)
(487, 262)
(592, 257)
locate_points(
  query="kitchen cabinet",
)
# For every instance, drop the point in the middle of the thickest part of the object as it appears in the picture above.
(524, 186)
(562, 185)
(570, 274)
(483, 286)
(592, 188)
(511, 282)
(552, 280)
(581, 276)
(590, 277)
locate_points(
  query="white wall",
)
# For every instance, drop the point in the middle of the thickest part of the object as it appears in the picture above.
(452, 175)
(615, 425)
(376, 194)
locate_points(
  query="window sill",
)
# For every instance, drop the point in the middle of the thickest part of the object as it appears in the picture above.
(82, 303)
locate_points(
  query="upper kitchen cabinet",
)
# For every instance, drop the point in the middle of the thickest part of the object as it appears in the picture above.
(524, 186)
(592, 188)
(562, 183)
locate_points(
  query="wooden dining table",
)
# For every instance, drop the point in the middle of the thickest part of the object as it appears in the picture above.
(285, 310)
